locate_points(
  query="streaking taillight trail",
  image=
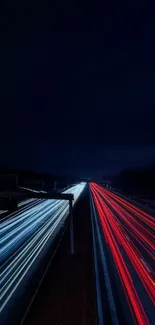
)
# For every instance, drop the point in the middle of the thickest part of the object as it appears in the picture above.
(128, 232)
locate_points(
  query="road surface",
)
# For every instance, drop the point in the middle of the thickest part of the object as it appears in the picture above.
(114, 258)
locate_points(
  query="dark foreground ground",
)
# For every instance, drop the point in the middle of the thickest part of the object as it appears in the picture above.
(67, 293)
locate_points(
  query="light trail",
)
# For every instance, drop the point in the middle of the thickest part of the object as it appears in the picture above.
(26, 234)
(128, 238)
(144, 236)
(20, 204)
(144, 217)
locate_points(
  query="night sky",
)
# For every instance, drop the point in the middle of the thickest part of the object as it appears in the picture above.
(77, 87)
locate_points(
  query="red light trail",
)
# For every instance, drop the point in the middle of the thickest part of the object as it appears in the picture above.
(129, 232)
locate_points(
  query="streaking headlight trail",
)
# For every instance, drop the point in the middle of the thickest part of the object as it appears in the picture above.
(26, 234)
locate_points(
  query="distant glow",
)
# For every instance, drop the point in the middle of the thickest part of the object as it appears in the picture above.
(129, 232)
(25, 233)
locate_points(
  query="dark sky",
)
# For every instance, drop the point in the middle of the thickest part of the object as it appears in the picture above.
(77, 86)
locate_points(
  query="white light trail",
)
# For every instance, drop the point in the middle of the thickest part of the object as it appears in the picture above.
(25, 234)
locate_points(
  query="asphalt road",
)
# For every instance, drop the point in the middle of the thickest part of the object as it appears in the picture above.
(126, 240)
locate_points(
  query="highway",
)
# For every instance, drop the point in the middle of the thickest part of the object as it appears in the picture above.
(122, 237)
(124, 249)
(26, 237)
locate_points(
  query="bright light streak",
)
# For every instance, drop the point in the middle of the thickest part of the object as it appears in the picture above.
(127, 237)
(25, 234)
